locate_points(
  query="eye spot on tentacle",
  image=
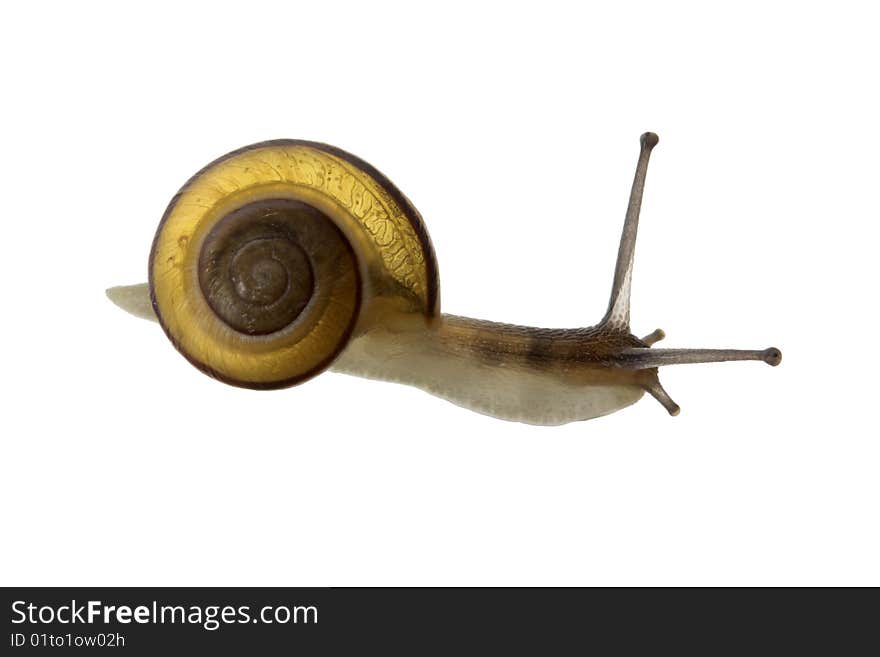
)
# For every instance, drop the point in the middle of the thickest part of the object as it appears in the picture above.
(772, 356)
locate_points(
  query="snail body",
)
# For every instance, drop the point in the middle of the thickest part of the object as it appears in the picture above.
(538, 376)
(286, 258)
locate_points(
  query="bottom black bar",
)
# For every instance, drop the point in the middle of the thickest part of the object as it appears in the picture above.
(270, 621)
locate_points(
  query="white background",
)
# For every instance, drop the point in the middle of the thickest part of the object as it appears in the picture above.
(514, 129)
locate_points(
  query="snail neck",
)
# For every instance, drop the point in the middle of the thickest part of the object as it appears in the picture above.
(537, 376)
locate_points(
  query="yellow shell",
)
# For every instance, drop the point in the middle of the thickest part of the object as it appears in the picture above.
(374, 262)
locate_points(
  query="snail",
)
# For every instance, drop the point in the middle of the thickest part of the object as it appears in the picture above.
(285, 258)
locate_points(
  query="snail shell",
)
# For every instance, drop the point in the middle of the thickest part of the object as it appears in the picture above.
(267, 260)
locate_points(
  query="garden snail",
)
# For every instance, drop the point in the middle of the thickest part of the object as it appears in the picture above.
(286, 258)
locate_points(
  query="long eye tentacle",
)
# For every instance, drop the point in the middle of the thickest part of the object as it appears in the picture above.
(617, 316)
(639, 358)
(645, 358)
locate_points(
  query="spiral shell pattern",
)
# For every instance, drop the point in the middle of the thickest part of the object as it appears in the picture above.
(263, 260)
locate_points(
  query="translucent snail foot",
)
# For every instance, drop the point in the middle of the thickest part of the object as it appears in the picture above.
(133, 299)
